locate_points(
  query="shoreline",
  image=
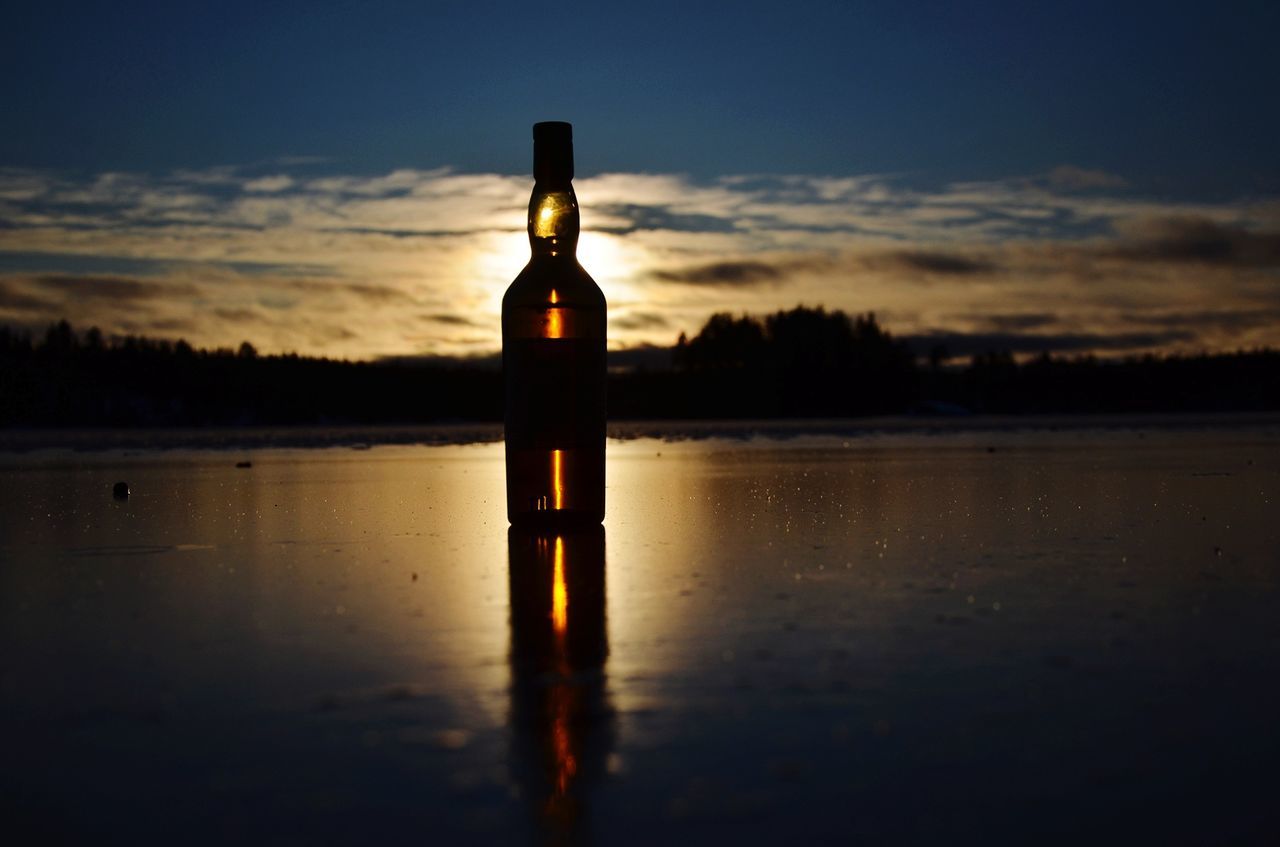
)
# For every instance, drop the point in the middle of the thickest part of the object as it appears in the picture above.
(79, 440)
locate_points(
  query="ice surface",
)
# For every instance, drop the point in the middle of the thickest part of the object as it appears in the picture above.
(1020, 635)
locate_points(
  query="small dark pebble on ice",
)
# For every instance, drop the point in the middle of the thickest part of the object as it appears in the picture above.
(244, 464)
(120, 491)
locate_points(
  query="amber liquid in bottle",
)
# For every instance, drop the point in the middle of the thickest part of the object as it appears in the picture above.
(553, 357)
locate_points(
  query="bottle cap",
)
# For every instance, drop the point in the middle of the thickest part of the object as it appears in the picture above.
(553, 151)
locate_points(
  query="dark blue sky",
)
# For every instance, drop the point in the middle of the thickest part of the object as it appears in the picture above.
(1180, 100)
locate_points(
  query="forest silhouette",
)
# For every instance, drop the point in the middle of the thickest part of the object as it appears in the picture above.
(804, 362)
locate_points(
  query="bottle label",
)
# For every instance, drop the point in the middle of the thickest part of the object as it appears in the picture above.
(555, 392)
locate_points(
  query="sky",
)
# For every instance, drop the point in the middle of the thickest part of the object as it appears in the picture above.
(350, 179)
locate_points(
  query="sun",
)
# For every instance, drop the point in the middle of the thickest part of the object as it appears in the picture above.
(612, 263)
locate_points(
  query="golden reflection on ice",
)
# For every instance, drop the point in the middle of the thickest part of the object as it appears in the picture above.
(564, 700)
(563, 695)
(559, 599)
(558, 650)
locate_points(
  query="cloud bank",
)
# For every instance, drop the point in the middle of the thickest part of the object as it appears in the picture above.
(415, 262)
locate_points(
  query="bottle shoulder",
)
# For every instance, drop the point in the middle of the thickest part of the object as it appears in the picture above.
(561, 276)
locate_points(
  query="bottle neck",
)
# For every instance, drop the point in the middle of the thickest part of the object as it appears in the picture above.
(553, 218)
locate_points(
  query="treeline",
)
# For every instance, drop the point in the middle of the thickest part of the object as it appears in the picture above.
(798, 363)
(814, 363)
(69, 379)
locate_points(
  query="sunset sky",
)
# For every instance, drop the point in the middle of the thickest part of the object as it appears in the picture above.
(351, 180)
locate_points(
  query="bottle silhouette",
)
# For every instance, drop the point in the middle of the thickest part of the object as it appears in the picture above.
(553, 357)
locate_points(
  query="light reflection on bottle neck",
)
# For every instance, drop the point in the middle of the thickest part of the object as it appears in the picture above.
(553, 220)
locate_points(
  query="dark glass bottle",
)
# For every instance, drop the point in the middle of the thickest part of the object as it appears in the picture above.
(553, 357)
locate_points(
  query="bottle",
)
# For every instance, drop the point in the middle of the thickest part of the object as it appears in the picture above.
(553, 357)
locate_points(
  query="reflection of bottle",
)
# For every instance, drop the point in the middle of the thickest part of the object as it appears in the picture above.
(561, 720)
(553, 357)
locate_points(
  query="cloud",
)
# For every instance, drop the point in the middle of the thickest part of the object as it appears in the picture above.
(400, 233)
(411, 262)
(726, 274)
(937, 262)
(269, 184)
(640, 320)
(747, 273)
(1228, 320)
(449, 320)
(1197, 240)
(1072, 178)
(361, 290)
(1017, 321)
(239, 315)
(21, 184)
(117, 288)
(631, 217)
(14, 298)
(376, 293)
(220, 175)
(400, 183)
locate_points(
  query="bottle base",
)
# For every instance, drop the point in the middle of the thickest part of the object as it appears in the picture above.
(562, 519)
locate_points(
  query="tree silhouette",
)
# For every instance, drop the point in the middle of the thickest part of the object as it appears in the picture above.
(805, 361)
(800, 362)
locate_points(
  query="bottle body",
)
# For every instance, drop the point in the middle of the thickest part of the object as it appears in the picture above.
(553, 362)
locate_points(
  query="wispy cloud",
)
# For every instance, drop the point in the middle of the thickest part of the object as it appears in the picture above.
(1072, 178)
(115, 288)
(640, 320)
(728, 274)
(1198, 240)
(932, 262)
(269, 184)
(415, 261)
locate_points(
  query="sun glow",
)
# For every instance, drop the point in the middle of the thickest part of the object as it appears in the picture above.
(611, 261)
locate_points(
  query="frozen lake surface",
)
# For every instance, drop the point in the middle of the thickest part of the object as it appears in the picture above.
(904, 633)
